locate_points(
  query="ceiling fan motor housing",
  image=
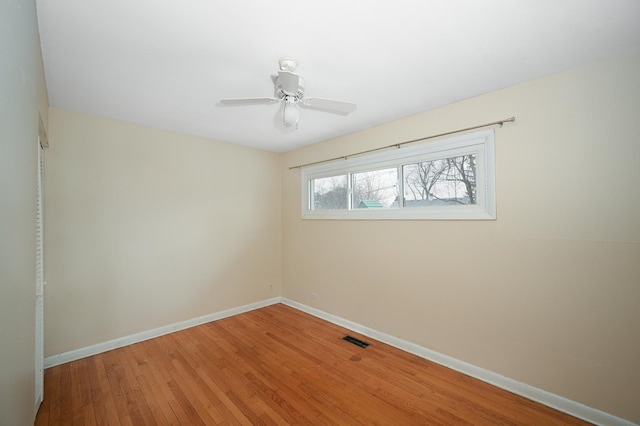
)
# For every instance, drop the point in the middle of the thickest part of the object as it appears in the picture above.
(281, 93)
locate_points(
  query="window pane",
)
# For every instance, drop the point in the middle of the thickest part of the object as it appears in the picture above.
(451, 178)
(447, 181)
(375, 189)
(329, 193)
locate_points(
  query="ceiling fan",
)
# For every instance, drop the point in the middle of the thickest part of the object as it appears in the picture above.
(289, 88)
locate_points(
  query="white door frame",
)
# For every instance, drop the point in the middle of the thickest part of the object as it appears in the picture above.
(39, 331)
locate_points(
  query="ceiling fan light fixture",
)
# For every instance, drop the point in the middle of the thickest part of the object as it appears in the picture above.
(291, 114)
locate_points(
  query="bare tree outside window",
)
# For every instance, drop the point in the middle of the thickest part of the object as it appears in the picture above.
(329, 193)
(442, 181)
(463, 170)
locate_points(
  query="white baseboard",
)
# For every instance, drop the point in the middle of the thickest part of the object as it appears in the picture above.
(52, 361)
(543, 397)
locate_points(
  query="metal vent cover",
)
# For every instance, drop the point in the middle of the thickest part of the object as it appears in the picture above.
(355, 341)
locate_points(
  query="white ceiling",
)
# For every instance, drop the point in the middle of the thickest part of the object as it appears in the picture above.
(167, 63)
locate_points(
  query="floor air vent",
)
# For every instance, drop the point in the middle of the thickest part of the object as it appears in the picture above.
(355, 341)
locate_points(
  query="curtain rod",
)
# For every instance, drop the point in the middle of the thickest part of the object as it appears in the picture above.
(399, 144)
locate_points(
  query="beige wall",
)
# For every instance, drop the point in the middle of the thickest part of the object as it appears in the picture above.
(145, 228)
(22, 97)
(549, 293)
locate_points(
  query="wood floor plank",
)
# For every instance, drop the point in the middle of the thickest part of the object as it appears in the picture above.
(157, 373)
(96, 399)
(151, 388)
(226, 407)
(106, 397)
(274, 366)
(165, 375)
(144, 401)
(66, 413)
(205, 391)
(119, 392)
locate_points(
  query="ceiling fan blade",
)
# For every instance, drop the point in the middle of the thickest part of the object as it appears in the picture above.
(289, 82)
(329, 105)
(248, 101)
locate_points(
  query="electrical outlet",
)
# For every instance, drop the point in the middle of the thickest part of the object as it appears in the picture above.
(314, 295)
(270, 287)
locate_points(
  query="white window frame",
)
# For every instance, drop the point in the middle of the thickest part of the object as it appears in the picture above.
(481, 144)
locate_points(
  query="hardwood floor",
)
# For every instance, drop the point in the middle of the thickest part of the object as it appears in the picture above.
(274, 365)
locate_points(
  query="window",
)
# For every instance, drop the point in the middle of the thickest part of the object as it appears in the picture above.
(452, 178)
